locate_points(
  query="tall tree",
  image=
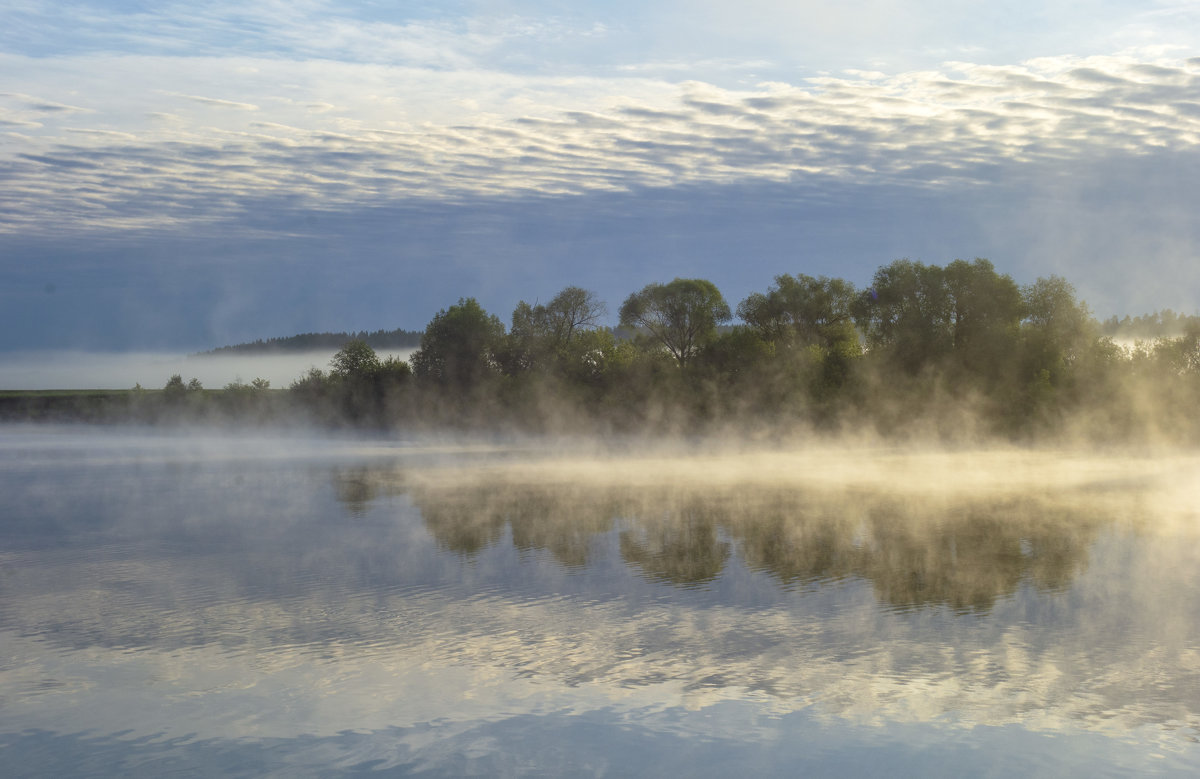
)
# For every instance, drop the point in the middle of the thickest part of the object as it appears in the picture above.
(682, 315)
(542, 333)
(907, 314)
(461, 345)
(802, 310)
(572, 310)
(986, 311)
(1057, 329)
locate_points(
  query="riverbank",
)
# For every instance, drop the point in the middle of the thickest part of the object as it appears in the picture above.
(105, 406)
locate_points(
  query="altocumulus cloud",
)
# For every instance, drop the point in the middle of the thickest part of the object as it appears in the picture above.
(548, 136)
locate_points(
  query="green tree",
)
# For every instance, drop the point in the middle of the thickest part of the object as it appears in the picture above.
(313, 383)
(543, 335)
(809, 322)
(802, 310)
(682, 315)
(1057, 366)
(986, 312)
(571, 311)
(1180, 355)
(174, 389)
(461, 347)
(907, 314)
(355, 361)
(393, 370)
(1057, 329)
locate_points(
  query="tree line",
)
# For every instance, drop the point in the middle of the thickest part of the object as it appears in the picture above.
(959, 350)
(308, 342)
(1160, 324)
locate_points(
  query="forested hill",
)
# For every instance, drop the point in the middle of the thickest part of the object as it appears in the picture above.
(309, 342)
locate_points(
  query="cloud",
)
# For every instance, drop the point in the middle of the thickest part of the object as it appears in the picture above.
(561, 136)
(217, 123)
(106, 133)
(440, 38)
(222, 103)
(31, 103)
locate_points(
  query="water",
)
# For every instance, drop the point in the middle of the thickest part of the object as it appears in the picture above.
(182, 603)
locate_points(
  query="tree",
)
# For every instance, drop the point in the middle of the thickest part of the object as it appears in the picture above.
(314, 379)
(572, 310)
(1057, 328)
(907, 314)
(460, 347)
(528, 339)
(981, 299)
(311, 388)
(174, 388)
(1050, 306)
(355, 361)
(802, 310)
(682, 315)
(1181, 355)
(986, 311)
(542, 334)
(393, 370)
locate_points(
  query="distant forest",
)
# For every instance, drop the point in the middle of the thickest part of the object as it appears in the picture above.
(312, 342)
(1160, 324)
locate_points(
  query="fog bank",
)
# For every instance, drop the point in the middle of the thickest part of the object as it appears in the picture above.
(52, 370)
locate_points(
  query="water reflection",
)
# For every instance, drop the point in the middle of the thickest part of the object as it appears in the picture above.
(404, 612)
(680, 547)
(956, 551)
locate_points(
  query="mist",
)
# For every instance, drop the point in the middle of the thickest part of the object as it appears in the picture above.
(169, 591)
(65, 370)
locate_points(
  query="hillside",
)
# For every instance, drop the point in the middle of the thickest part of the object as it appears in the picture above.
(308, 342)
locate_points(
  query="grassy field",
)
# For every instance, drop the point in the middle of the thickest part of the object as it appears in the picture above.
(134, 405)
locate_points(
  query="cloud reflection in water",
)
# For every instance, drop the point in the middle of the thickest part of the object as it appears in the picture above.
(440, 608)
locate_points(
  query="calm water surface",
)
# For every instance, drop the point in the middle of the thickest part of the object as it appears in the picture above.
(181, 603)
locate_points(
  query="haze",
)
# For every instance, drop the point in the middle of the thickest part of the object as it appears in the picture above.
(52, 370)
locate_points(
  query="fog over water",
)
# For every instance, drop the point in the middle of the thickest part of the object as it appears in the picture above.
(300, 605)
(122, 370)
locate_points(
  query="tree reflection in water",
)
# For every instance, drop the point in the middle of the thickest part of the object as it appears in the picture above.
(680, 547)
(426, 604)
(957, 551)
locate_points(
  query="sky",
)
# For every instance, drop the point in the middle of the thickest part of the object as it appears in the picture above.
(187, 175)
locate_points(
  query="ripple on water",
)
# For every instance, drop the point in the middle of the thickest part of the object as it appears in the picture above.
(203, 616)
